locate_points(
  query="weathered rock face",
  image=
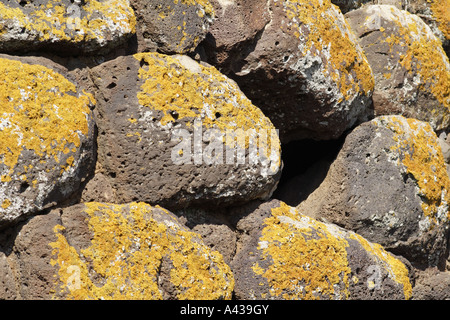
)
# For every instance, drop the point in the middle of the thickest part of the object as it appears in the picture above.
(113, 112)
(173, 132)
(214, 227)
(235, 31)
(287, 255)
(349, 5)
(46, 139)
(432, 285)
(65, 26)
(172, 26)
(435, 13)
(301, 64)
(105, 251)
(390, 185)
(412, 72)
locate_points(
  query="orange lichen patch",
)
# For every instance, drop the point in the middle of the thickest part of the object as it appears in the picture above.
(39, 112)
(441, 12)
(396, 269)
(307, 260)
(422, 157)
(348, 67)
(126, 251)
(52, 21)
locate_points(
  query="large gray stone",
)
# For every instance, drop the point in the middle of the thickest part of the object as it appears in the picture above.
(411, 69)
(390, 185)
(64, 26)
(284, 254)
(160, 121)
(46, 138)
(105, 251)
(296, 60)
(171, 26)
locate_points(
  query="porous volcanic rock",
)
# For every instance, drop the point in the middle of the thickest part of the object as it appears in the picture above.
(390, 185)
(432, 284)
(64, 26)
(287, 255)
(437, 15)
(46, 138)
(173, 132)
(349, 5)
(105, 251)
(412, 71)
(433, 12)
(172, 26)
(300, 63)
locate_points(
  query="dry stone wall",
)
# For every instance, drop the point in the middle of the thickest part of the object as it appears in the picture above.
(176, 150)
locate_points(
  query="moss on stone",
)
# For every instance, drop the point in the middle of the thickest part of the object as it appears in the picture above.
(307, 260)
(421, 54)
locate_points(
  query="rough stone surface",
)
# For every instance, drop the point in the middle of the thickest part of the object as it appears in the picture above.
(287, 255)
(105, 251)
(436, 14)
(301, 64)
(214, 227)
(412, 71)
(172, 26)
(390, 185)
(235, 31)
(349, 5)
(433, 12)
(64, 26)
(432, 285)
(160, 122)
(113, 112)
(46, 138)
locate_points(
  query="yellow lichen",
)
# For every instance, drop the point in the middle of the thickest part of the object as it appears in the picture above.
(307, 260)
(40, 112)
(441, 12)
(126, 252)
(347, 65)
(204, 7)
(180, 93)
(51, 21)
(421, 54)
(6, 203)
(422, 157)
(396, 269)
(175, 90)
